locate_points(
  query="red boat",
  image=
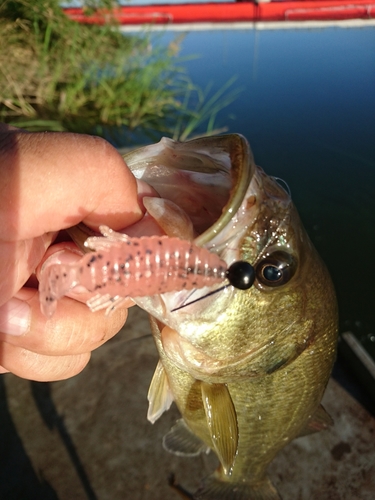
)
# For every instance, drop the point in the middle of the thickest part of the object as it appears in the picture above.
(232, 12)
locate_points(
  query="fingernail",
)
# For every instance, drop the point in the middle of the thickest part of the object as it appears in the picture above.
(15, 317)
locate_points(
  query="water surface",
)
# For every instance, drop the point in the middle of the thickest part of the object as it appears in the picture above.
(308, 110)
(307, 107)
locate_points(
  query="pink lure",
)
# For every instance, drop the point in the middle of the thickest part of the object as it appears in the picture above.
(124, 267)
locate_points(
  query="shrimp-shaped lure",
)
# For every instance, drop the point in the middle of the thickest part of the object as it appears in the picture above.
(122, 267)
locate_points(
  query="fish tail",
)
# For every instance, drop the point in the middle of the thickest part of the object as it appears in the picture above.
(216, 489)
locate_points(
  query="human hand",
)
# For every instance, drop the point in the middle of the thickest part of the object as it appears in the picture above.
(49, 182)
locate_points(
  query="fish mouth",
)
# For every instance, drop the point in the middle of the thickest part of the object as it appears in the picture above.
(214, 181)
(208, 178)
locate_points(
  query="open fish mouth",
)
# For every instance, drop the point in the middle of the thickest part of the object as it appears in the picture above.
(207, 178)
(215, 182)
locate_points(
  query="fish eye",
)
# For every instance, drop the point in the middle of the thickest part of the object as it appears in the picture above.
(276, 269)
(241, 275)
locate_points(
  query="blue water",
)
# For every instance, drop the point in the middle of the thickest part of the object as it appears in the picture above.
(308, 110)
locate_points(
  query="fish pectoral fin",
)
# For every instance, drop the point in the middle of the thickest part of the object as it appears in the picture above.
(182, 442)
(222, 422)
(216, 489)
(159, 394)
(319, 421)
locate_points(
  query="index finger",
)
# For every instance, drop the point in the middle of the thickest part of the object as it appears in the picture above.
(50, 181)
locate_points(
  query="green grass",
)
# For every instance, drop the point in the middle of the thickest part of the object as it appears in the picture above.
(56, 74)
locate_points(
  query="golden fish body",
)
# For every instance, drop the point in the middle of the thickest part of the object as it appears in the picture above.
(246, 368)
(275, 382)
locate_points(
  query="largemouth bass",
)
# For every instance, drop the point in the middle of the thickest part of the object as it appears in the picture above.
(247, 368)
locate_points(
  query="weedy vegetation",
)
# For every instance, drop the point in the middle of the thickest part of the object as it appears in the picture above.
(56, 74)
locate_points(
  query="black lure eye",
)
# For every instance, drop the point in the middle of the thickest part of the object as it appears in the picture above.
(241, 275)
(276, 269)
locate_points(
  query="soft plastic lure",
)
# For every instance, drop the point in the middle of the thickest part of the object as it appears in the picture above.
(122, 267)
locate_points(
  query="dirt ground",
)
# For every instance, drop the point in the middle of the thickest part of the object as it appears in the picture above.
(88, 437)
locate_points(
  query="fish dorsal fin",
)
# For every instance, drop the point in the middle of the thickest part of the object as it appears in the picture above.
(319, 421)
(159, 394)
(222, 422)
(182, 442)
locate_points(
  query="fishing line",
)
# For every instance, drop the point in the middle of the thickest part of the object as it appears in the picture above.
(240, 274)
(200, 298)
(283, 184)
